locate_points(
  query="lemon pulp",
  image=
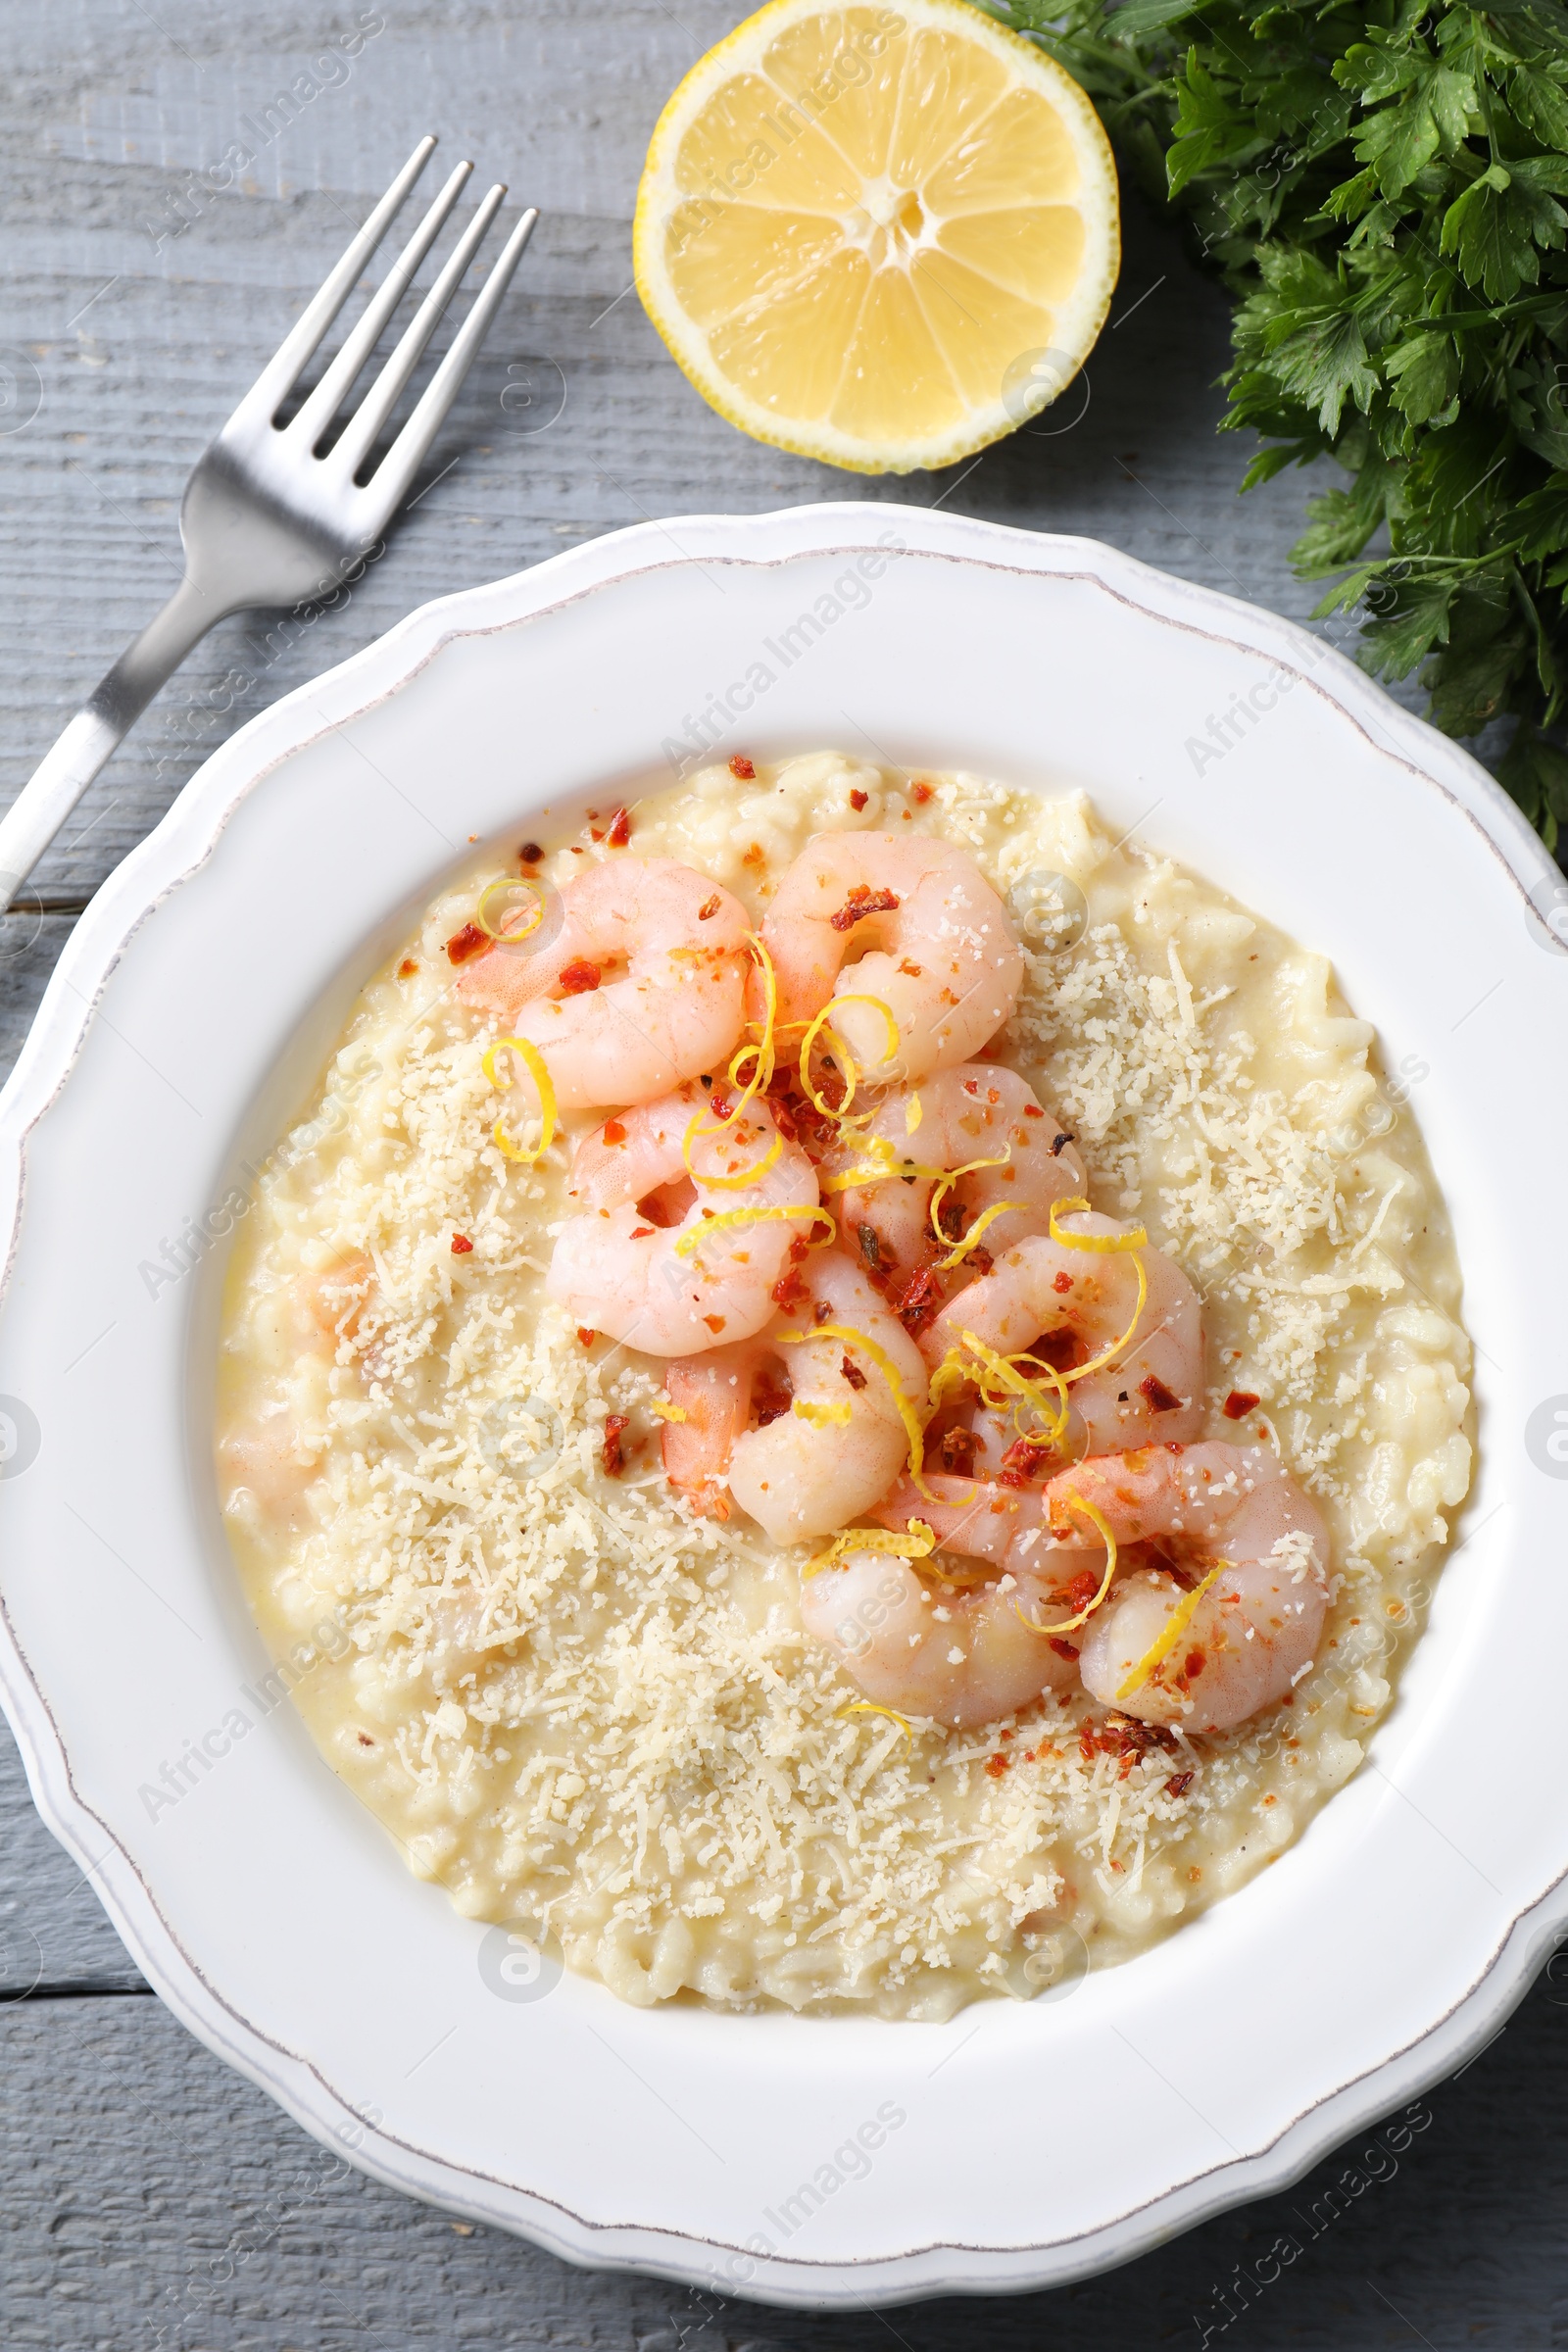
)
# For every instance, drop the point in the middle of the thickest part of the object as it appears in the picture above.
(880, 236)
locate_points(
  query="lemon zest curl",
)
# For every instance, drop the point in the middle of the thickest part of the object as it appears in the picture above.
(718, 1220)
(867, 1706)
(761, 1057)
(1176, 1624)
(1069, 1624)
(822, 1022)
(884, 1363)
(533, 1061)
(1132, 1243)
(695, 1132)
(912, 1545)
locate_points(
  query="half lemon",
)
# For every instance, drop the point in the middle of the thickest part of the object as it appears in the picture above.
(879, 236)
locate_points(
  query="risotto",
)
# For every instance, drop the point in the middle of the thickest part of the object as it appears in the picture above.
(788, 1541)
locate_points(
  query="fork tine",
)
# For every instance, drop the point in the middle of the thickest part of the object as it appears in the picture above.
(402, 462)
(282, 369)
(318, 412)
(357, 437)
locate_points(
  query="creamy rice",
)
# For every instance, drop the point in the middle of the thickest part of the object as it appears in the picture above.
(573, 1704)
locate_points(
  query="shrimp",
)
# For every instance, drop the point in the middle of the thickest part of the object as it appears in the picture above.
(934, 943)
(272, 1461)
(804, 1431)
(318, 1310)
(630, 1265)
(718, 1397)
(960, 1658)
(1009, 1526)
(1209, 1657)
(1152, 1391)
(642, 987)
(308, 1320)
(981, 1494)
(977, 1111)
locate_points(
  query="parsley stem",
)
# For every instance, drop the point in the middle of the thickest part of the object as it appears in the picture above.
(1382, 188)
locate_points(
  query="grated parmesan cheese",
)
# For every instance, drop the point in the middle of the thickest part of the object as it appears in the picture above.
(571, 1702)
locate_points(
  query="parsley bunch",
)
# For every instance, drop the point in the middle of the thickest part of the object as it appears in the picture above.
(1379, 185)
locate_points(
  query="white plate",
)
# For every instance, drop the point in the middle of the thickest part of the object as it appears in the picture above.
(187, 1019)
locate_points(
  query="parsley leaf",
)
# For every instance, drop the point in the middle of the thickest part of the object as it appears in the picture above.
(1384, 188)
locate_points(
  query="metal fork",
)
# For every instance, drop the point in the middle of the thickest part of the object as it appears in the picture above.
(270, 520)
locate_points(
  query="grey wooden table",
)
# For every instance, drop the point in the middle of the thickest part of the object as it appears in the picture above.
(151, 2197)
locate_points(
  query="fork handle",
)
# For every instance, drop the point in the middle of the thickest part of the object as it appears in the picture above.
(115, 702)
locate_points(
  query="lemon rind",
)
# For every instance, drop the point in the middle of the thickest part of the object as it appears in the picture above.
(1077, 325)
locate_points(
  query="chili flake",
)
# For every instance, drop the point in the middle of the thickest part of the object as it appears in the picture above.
(468, 943)
(460, 1244)
(407, 968)
(862, 902)
(615, 1424)
(922, 793)
(957, 1450)
(1020, 1463)
(709, 908)
(586, 1335)
(770, 1404)
(741, 769)
(619, 829)
(921, 1301)
(579, 978)
(1080, 1588)
(530, 854)
(1157, 1395)
(789, 1292)
(859, 799)
(1240, 1403)
(852, 1372)
(1121, 1736)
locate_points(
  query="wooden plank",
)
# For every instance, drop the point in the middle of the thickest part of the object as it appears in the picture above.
(154, 2199)
(152, 2196)
(54, 1935)
(631, 439)
(139, 350)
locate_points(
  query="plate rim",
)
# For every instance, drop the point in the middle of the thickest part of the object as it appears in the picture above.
(175, 850)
